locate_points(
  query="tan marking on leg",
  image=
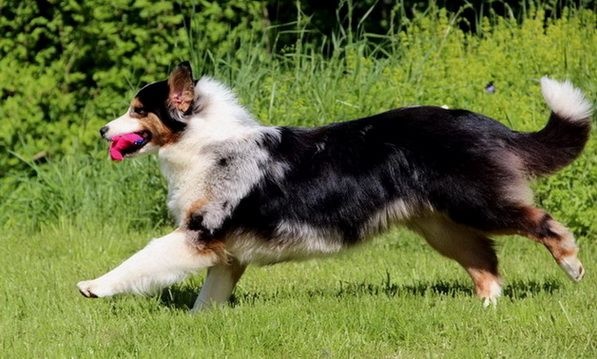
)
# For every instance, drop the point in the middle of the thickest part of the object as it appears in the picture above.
(215, 247)
(197, 205)
(470, 248)
(540, 226)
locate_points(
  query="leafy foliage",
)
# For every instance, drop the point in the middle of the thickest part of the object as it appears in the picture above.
(55, 103)
(66, 66)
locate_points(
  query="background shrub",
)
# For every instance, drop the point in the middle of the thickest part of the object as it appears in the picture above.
(67, 68)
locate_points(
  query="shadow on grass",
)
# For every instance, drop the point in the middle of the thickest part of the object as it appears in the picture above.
(524, 289)
(184, 297)
(181, 298)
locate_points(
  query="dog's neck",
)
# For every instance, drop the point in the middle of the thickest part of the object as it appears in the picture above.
(218, 118)
(219, 123)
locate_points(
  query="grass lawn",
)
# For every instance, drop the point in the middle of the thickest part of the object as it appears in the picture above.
(394, 297)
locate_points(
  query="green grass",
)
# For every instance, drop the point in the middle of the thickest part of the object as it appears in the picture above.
(394, 297)
(79, 216)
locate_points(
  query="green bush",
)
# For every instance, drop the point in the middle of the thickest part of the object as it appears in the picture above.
(430, 61)
(434, 62)
(65, 66)
(76, 190)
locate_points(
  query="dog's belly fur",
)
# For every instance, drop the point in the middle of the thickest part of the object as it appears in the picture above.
(304, 243)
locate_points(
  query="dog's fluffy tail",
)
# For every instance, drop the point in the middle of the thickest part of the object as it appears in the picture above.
(566, 133)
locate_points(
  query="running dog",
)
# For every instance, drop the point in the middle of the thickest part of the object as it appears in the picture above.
(245, 193)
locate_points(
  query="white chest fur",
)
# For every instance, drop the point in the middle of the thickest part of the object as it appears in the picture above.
(185, 173)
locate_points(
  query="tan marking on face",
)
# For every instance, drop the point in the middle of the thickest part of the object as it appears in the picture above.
(161, 135)
(134, 105)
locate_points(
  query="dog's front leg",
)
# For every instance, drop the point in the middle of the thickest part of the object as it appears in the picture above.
(161, 263)
(219, 284)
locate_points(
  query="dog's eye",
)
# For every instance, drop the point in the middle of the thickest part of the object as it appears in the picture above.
(139, 111)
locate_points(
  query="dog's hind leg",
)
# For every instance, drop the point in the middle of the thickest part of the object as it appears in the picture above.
(470, 248)
(161, 263)
(538, 225)
(219, 284)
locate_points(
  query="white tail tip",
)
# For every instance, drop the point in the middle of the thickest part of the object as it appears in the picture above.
(565, 100)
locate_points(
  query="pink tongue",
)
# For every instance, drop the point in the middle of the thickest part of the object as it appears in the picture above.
(121, 143)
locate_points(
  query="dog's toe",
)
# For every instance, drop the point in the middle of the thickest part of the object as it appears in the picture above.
(87, 293)
(490, 302)
(85, 288)
(573, 267)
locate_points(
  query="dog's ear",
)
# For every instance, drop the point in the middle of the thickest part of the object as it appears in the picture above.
(181, 87)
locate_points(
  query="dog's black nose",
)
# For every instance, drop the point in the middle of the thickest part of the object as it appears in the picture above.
(103, 130)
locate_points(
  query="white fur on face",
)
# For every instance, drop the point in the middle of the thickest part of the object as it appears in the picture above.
(123, 125)
(127, 124)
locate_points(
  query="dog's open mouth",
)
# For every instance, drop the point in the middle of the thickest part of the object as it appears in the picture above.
(127, 144)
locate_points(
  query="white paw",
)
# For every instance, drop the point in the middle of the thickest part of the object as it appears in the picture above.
(487, 302)
(573, 267)
(491, 296)
(94, 289)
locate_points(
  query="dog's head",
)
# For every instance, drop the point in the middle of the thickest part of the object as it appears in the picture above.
(156, 116)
